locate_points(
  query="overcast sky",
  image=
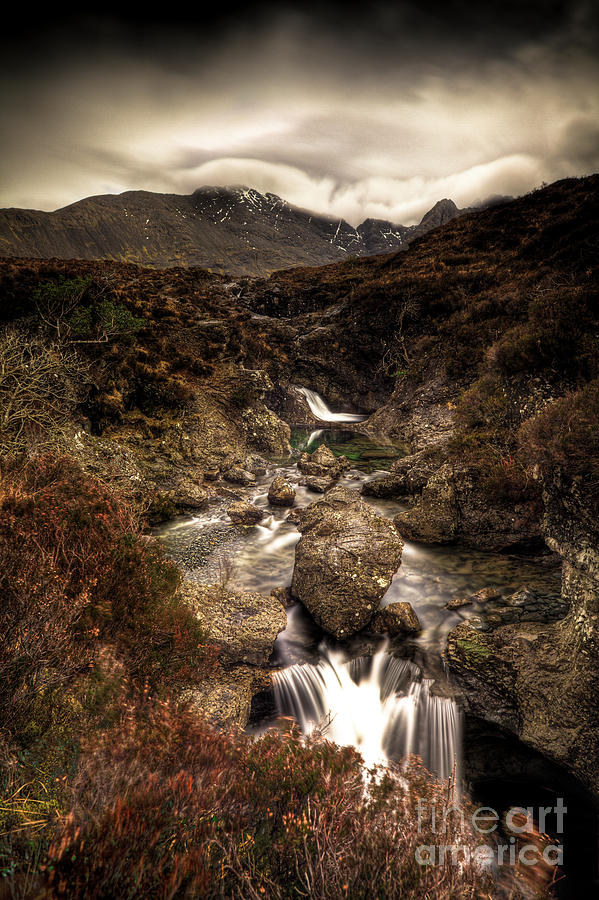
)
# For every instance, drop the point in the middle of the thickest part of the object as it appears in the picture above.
(373, 111)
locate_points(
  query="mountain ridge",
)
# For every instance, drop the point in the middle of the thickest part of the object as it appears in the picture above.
(228, 230)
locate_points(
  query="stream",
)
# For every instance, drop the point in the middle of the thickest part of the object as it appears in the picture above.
(386, 710)
(390, 700)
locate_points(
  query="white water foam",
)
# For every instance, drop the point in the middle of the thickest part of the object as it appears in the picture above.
(380, 706)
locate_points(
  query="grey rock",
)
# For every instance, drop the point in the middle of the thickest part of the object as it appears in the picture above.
(407, 476)
(318, 484)
(485, 594)
(284, 596)
(458, 603)
(454, 505)
(539, 680)
(244, 625)
(323, 463)
(188, 495)
(225, 697)
(237, 475)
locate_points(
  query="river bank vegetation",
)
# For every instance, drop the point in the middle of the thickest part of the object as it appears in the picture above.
(112, 786)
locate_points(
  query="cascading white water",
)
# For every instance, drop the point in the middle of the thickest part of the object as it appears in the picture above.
(270, 537)
(319, 409)
(380, 705)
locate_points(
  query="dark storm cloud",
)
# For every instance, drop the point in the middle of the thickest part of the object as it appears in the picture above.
(376, 26)
(371, 110)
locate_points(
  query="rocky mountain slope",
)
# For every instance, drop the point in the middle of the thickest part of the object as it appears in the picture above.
(233, 230)
(509, 288)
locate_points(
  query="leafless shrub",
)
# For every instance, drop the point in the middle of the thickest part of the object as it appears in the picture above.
(226, 569)
(396, 354)
(40, 385)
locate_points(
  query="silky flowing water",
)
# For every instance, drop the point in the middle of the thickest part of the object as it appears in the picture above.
(321, 411)
(380, 705)
(388, 707)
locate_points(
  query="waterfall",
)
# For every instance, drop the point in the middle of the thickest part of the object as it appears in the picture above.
(319, 409)
(382, 706)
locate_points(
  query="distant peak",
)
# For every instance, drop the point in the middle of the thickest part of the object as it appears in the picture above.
(206, 190)
(443, 211)
(240, 192)
(370, 222)
(274, 198)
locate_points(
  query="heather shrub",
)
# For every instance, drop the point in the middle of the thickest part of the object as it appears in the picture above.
(563, 440)
(504, 478)
(484, 407)
(91, 622)
(166, 806)
(80, 586)
(555, 334)
(157, 389)
(522, 349)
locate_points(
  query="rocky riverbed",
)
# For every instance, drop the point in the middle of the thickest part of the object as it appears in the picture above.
(440, 586)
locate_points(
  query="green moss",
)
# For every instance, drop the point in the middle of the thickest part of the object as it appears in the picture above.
(472, 648)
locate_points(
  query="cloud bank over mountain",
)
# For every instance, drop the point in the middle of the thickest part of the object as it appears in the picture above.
(376, 112)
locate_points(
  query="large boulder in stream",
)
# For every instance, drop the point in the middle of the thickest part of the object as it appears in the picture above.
(344, 561)
(243, 624)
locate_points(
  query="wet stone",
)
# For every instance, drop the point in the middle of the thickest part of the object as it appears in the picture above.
(280, 492)
(237, 475)
(397, 618)
(318, 484)
(458, 603)
(242, 513)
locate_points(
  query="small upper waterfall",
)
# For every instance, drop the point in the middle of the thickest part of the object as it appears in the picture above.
(379, 705)
(319, 409)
